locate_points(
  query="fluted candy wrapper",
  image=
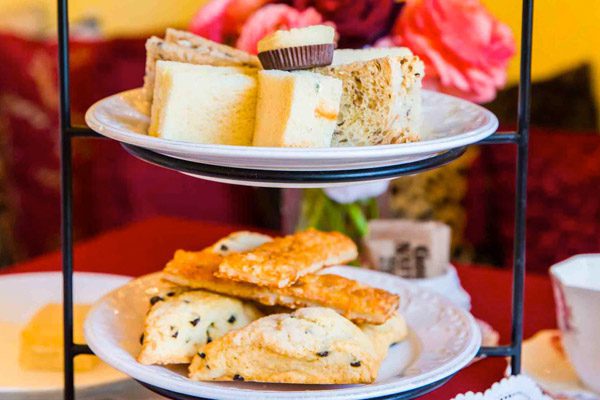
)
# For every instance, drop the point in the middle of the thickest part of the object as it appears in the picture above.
(294, 58)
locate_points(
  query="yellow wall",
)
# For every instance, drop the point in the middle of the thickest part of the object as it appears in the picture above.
(566, 32)
(118, 17)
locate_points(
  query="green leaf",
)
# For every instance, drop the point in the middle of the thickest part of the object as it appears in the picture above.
(358, 219)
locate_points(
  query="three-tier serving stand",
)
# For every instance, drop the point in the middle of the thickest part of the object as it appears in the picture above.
(519, 138)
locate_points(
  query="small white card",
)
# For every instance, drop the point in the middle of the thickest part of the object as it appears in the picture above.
(410, 249)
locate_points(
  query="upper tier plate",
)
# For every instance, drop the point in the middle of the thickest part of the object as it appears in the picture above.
(443, 338)
(449, 122)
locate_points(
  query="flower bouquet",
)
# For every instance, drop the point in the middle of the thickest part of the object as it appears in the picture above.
(465, 50)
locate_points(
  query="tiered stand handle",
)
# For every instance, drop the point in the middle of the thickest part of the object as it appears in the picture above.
(520, 138)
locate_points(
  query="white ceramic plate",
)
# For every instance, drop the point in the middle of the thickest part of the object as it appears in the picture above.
(443, 339)
(449, 122)
(21, 295)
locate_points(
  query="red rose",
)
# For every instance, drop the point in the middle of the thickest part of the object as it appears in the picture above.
(465, 49)
(358, 22)
(222, 20)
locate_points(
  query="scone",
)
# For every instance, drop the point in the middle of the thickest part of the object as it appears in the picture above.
(296, 109)
(175, 326)
(282, 261)
(203, 104)
(382, 336)
(312, 346)
(189, 48)
(163, 290)
(297, 48)
(239, 241)
(381, 100)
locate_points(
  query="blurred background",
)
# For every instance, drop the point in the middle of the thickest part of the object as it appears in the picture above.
(474, 195)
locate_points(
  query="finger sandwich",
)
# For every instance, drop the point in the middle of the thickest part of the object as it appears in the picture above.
(381, 101)
(203, 103)
(296, 109)
(186, 47)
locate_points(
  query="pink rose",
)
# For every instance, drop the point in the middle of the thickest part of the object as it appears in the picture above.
(271, 18)
(358, 22)
(465, 49)
(222, 20)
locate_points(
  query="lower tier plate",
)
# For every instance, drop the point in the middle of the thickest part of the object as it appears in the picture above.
(411, 394)
(442, 339)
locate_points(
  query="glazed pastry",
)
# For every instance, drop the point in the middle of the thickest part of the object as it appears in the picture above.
(282, 261)
(355, 301)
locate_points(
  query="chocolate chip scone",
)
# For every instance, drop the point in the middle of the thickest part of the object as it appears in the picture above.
(176, 325)
(382, 336)
(312, 345)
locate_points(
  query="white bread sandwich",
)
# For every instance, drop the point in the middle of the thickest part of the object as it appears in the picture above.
(189, 48)
(381, 101)
(296, 109)
(204, 104)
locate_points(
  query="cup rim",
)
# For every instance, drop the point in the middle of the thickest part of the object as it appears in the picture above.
(556, 269)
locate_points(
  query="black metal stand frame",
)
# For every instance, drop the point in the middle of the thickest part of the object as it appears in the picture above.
(520, 138)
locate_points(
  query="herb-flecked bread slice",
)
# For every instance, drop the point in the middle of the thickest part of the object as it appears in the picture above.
(189, 48)
(381, 101)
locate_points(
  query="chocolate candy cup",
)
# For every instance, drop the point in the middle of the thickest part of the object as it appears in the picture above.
(294, 58)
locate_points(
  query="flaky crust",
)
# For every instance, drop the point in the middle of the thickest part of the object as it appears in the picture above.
(312, 345)
(355, 301)
(281, 262)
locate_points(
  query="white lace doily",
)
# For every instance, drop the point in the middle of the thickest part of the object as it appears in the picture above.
(511, 388)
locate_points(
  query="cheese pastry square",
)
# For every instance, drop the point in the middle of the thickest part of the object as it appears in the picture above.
(312, 345)
(281, 262)
(175, 326)
(355, 301)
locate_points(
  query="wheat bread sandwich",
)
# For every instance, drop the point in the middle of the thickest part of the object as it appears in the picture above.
(186, 47)
(381, 100)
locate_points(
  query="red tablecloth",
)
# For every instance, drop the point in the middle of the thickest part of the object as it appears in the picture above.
(144, 247)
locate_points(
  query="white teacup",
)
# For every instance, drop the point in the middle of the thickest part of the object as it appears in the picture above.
(576, 284)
